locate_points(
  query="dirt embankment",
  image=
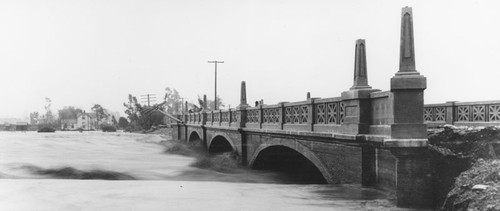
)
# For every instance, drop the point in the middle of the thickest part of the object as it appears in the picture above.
(466, 167)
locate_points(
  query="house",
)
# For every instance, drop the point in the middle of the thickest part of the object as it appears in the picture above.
(69, 124)
(21, 126)
(6, 126)
(86, 121)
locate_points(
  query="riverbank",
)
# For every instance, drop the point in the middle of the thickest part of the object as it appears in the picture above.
(466, 167)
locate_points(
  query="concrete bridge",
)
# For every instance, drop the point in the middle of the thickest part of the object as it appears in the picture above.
(368, 136)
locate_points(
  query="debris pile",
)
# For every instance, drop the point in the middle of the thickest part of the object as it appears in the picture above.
(470, 155)
(477, 188)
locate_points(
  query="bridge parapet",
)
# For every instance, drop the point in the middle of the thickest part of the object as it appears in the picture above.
(482, 113)
(315, 117)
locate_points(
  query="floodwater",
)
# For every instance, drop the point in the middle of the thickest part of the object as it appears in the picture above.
(123, 171)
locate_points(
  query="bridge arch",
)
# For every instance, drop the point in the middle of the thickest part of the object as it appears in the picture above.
(292, 155)
(220, 143)
(195, 136)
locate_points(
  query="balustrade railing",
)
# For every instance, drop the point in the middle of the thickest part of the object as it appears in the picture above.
(325, 115)
(209, 117)
(296, 113)
(216, 117)
(329, 111)
(463, 113)
(319, 112)
(271, 115)
(253, 115)
(234, 115)
(225, 116)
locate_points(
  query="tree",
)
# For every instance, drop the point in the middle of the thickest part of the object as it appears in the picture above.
(99, 112)
(142, 117)
(113, 119)
(211, 104)
(133, 111)
(49, 117)
(69, 112)
(34, 118)
(172, 101)
(133, 108)
(122, 122)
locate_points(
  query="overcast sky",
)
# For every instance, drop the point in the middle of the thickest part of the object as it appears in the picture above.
(80, 53)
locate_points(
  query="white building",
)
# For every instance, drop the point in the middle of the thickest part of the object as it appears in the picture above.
(69, 124)
(86, 121)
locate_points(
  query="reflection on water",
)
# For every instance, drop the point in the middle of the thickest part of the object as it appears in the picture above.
(152, 175)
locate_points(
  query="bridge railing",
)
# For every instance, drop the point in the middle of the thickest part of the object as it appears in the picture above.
(328, 114)
(298, 116)
(253, 117)
(314, 114)
(480, 113)
(271, 116)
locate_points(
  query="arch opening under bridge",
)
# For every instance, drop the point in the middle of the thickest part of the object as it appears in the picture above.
(220, 144)
(295, 166)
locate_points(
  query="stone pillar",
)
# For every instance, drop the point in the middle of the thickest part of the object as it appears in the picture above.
(360, 74)
(310, 117)
(407, 87)
(450, 112)
(261, 114)
(357, 105)
(219, 113)
(308, 95)
(243, 94)
(203, 116)
(407, 47)
(282, 114)
(408, 139)
(205, 102)
(242, 108)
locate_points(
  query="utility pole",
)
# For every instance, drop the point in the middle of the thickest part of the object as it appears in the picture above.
(148, 97)
(215, 101)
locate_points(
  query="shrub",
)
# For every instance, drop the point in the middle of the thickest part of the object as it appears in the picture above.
(46, 130)
(108, 128)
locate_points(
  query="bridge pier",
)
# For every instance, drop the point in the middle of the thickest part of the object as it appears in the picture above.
(369, 166)
(413, 177)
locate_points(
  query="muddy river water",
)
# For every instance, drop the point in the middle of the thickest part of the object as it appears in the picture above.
(123, 171)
